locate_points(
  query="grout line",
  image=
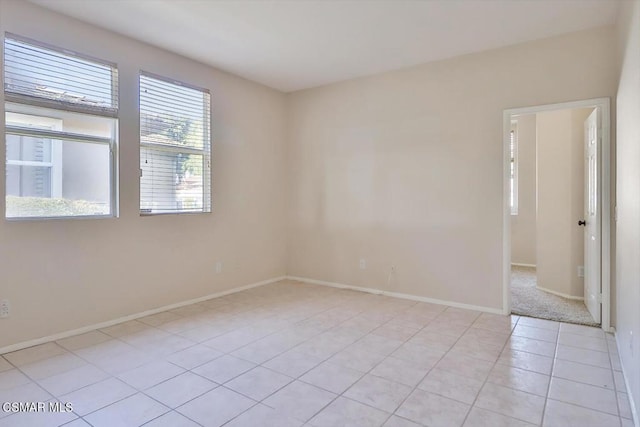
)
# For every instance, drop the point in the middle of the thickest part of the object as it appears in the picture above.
(218, 385)
(167, 413)
(365, 374)
(114, 376)
(327, 358)
(261, 364)
(435, 365)
(338, 395)
(484, 383)
(615, 391)
(553, 368)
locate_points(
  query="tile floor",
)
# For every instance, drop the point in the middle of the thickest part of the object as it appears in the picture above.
(292, 354)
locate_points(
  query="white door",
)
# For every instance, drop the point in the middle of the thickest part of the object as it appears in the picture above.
(591, 221)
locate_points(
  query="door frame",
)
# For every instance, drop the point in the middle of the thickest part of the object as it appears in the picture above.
(605, 197)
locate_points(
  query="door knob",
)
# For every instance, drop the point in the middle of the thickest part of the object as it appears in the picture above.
(582, 222)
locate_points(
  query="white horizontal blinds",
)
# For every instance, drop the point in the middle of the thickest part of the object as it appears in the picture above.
(174, 147)
(41, 75)
(512, 145)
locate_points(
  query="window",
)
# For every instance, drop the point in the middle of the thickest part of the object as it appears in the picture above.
(514, 168)
(175, 147)
(60, 110)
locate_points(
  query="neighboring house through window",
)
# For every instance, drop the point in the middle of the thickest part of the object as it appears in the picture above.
(34, 165)
(60, 114)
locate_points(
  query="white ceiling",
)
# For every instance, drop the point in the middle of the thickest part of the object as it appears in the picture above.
(297, 44)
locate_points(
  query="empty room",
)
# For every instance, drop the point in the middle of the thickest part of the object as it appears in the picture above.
(320, 213)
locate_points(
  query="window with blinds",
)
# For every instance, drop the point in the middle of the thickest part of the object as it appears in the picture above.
(60, 110)
(175, 147)
(513, 145)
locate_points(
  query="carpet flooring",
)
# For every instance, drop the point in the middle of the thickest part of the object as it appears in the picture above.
(527, 300)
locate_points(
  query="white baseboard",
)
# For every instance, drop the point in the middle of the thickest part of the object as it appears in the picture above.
(89, 328)
(399, 295)
(560, 294)
(518, 264)
(632, 404)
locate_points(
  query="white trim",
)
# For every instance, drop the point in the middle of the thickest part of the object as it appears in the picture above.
(560, 294)
(632, 404)
(397, 295)
(84, 329)
(605, 234)
(518, 264)
(605, 151)
(506, 209)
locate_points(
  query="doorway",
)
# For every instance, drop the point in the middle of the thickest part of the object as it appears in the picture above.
(556, 212)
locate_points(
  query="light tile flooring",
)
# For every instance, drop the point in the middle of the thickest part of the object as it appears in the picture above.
(292, 354)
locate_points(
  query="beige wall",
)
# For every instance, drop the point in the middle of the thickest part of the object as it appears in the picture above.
(560, 171)
(405, 168)
(65, 274)
(523, 225)
(628, 197)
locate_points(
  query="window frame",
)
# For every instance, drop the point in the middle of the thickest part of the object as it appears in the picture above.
(39, 107)
(205, 152)
(514, 162)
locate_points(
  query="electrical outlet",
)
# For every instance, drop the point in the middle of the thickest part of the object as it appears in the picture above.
(218, 267)
(5, 308)
(363, 264)
(580, 271)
